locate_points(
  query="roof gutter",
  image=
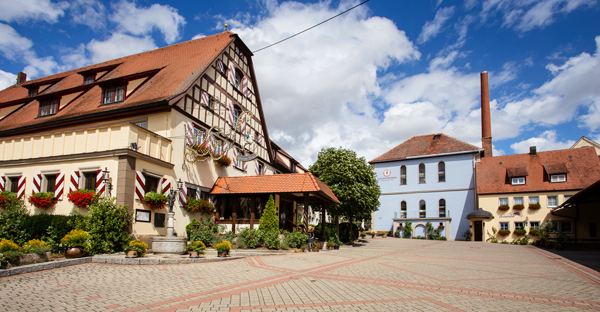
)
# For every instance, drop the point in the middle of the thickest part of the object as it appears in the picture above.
(428, 156)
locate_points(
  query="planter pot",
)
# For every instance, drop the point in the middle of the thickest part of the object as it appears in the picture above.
(74, 252)
(468, 239)
(336, 247)
(315, 249)
(194, 254)
(560, 246)
(548, 245)
(222, 254)
(329, 247)
(372, 236)
(131, 254)
(384, 235)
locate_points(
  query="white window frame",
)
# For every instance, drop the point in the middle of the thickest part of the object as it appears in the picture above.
(531, 224)
(500, 201)
(505, 223)
(558, 178)
(548, 201)
(516, 199)
(537, 199)
(518, 181)
(522, 225)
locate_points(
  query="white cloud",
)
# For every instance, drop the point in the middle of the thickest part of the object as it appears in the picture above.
(23, 10)
(198, 36)
(547, 141)
(118, 45)
(142, 21)
(15, 47)
(6, 79)
(433, 28)
(91, 13)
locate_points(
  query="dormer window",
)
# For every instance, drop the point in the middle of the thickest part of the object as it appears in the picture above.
(558, 178)
(113, 94)
(518, 181)
(48, 108)
(89, 79)
(33, 92)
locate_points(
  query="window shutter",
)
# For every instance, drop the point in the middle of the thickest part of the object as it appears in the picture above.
(21, 187)
(231, 73)
(99, 183)
(204, 99)
(189, 132)
(259, 139)
(231, 114)
(245, 165)
(75, 180)
(183, 195)
(264, 171)
(140, 185)
(59, 185)
(235, 160)
(165, 186)
(244, 86)
(257, 167)
(37, 183)
(220, 66)
(2, 183)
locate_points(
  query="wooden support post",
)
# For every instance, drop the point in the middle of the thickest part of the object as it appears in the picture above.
(252, 211)
(306, 214)
(234, 214)
(323, 222)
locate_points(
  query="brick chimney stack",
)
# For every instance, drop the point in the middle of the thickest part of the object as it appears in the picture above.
(21, 78)
(486, 124)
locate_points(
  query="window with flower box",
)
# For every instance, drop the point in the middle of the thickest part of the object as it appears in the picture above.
(518, 203)
(519, 225)
(534, 224)
(504, 226)
(89, 180)
(503, 203)
(50, 182)
(14, 184)
(151, 184)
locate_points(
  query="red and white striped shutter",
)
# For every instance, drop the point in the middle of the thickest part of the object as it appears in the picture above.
(244, 85)
(231, 115)
(243, 130)
(189, 132)
(59, 186)
(205, 99)
(21, 187)
(165, 186)
(259, 139)
(37, 183)
(257, 167)
(231, 73)
(183, 195)
(100, 185)
(235, 160)
(264, 171)
(245, 165)
(2, 183)
(220, 66)
(140, 185)
(75, 180)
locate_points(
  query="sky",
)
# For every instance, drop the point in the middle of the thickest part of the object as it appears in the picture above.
(367, 80)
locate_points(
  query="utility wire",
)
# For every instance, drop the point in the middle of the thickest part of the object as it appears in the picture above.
(323, 22)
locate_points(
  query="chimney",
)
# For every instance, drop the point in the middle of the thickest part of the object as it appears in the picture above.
(21, 78)
(532, 151)
(486, 125)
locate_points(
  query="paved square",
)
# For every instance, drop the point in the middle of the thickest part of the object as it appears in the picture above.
(381, 275)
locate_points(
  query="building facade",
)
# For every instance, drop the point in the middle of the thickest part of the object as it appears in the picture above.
(427, 178)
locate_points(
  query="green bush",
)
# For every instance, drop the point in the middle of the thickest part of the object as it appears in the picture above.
(330, 231)
(249, 238)
(295, 239)
(109, 226)
(193, 225)
(271, 239)
(37, 226)
(207, 232)
(7, 198)
(12, 222)
(407, 230)
(269, 221)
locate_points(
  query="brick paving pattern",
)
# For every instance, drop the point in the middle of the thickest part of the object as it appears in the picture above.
(381, 275)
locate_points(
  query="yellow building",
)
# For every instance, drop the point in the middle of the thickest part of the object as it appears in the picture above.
(129, 124)
(521, 191)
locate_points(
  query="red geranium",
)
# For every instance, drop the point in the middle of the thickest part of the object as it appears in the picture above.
(154, 200)
(199, 205)
(43, 199)
(82, 198)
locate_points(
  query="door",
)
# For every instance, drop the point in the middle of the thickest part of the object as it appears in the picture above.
(478, 231)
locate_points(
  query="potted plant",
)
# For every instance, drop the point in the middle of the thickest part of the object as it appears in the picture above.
(199, 205)
(503, 232)
(384, 234)
(224, 161)
(561, 239)
(337, 244)
(503, 207)
(373, 234)
(76, 244)
(154, 200)
(82, 198)
(330, 243)
(363, 235)
(520, 232)
(135, 248)
(223, 248)
(315, 246)
(534, 206)
(468, 234)
(43, 199)
(196, 249)
(518, 207)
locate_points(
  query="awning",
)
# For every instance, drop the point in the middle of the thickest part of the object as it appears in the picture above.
(480, 214)
(590, 194)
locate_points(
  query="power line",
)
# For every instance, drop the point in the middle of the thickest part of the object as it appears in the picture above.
(325, 21)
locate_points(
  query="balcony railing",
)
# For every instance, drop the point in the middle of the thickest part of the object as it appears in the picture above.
(424, 214)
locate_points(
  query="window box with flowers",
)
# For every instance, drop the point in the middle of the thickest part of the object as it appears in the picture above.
(43, 199)
(200, 148)
(155, 201)
(518, 207)
(503, 207)
(533, 232)
(7, 198)
(503, 232)
(534, 206)
(82, 198)
(520, 232)
(224, 161)
(199, 205)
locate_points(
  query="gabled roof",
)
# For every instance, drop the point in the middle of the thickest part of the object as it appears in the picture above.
(276, 183)
(279, 158)
(426, 145)
(171, 71)
(585, 141)
(581, 166)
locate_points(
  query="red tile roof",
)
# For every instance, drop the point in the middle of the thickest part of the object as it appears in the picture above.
(276, 183)
(581, 165)
(176, 66)
(425, 145)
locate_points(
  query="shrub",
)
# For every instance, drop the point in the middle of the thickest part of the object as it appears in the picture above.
(7, 198)
(206, 231)
(493, 238)
(407, 230)
(271, 239)
(37, 226)
(533, 232)
(138, 246)
(223, 246)
(249, 238)
(109, 226)
(397, 234)
(199, 205)
(82, 198)
(43, 199)
(197, 246)
(296, 239)
(268, 220)
(8, 245)
(76, 238)
(154, 200)
(193, 225)
(36, 246)
(12, 222)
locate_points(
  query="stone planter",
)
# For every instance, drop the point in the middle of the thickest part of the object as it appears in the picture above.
(169, 245)
(74, 252)
(194, 254)
(131, 254)
(222, 254)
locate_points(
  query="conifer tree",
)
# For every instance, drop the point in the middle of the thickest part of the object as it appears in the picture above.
(268, 220)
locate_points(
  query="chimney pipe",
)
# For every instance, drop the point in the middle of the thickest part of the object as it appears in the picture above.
(21, 78)
(533, 151)
(486, 125)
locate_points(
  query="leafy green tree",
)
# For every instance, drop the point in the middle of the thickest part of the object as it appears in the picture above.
(268, 220)
(108, 225)
(352, 180)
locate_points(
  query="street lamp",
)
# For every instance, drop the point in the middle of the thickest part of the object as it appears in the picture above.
(171, 200)
(105, 178)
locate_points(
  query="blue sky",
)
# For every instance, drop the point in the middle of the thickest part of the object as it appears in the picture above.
(367, 80)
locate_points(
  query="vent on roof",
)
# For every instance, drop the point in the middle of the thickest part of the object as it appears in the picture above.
(533, 151)
(436, 137)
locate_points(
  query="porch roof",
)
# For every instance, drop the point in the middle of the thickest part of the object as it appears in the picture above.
(293, 183)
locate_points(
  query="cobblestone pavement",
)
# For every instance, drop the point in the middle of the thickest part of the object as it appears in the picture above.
(381, 275)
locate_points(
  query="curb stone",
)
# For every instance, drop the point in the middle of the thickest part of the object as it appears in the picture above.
(43, 266)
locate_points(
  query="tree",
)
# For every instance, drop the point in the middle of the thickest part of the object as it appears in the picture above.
(351, 179)
(268, 220)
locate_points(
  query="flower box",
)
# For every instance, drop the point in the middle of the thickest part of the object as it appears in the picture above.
(199, 205)
(533, 232)
(520, 232)
(503, 232)
(518, 207)
(201, 149)
(43, 199)
(224, 161)
(534, 206)
(503, 207)
(82, 198)
(154, 200)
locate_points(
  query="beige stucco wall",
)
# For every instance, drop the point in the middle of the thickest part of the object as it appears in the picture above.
(584, 143)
